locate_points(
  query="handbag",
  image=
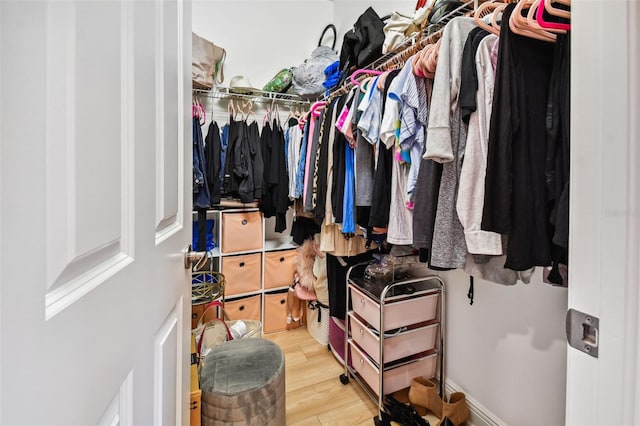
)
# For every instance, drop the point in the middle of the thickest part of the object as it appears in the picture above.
(362, 44)
(207, 60)
(213, 331)
(280, 83)
(398, 28)
(309, 76)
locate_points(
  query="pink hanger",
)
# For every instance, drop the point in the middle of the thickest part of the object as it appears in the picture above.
(314, 111)
(362, 71)
(204, 112)
(548, 24)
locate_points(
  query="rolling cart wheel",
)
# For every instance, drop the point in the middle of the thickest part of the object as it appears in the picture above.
(344, 379)
(380, 422)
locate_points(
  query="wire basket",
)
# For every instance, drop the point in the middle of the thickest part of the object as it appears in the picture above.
(207, 286)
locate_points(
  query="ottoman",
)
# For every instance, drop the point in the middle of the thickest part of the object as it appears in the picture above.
(242, 383)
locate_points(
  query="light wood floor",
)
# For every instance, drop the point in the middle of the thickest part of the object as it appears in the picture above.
(315, 395)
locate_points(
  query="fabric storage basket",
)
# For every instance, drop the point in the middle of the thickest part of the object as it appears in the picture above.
(246, 308)
(279, 268)
(241, 231)
(275, 312)
(318, 323)
(242, 273)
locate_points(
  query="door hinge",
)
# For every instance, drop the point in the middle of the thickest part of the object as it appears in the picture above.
(583, 332)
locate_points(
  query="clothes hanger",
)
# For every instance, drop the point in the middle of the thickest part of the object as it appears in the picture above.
(381, 80)
(291, 114)
(364, 84)
(303, 120)
(534, 22)
(432, 60)
(496, 18)
(487, 9)
(314, 110)
(238, 109)
(249, 108)
(549, 24)
(561, 13)
(230, 109)
(204, 113)
(518, 24)
(277, 112)
(420, 61)
(362, 71)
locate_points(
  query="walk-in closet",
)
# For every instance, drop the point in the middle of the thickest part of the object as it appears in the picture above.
(319, 212)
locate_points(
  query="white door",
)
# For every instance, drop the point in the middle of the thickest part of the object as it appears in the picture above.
(95, 212)
(605, 205)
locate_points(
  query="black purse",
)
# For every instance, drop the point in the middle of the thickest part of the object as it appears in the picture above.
(362, 44)
(441, 9)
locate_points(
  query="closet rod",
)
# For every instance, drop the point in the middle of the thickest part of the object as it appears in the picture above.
(409, 48)
(218, 92)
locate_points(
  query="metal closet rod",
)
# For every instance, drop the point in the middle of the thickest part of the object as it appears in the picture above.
(218, 92)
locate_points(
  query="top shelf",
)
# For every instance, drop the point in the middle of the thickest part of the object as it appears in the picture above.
(254, 95)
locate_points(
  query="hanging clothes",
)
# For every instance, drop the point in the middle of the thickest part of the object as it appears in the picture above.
(322, 172)
(312, 157)
(558, 154)
(255, 151)
(213, 155)
(294, 138)
(299, 192)
(446, 143)
(201, 198)
(426, 196)
(470, 202)
(224, 142)
(516, 196)
(364, 159)
(242, 168)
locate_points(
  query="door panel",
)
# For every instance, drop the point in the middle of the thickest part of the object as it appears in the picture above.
(90, 228)
(169, 114)
(605, 212)
(94, 297)
(166, 375)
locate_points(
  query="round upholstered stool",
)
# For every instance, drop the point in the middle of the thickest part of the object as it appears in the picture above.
(242, 383)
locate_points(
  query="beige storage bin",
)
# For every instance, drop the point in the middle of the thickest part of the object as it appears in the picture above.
(242, 273)
(279, 268)
(244, 308)
(275, 312)
(241, 231)
(395, 378)
(398, 313)
(399, 346)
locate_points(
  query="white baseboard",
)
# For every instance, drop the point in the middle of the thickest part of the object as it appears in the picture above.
(480, 415)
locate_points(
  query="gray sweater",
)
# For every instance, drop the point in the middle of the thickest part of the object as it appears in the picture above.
(446, 141)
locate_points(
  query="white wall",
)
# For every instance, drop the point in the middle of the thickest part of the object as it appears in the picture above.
(262, 37)
(508, 350)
